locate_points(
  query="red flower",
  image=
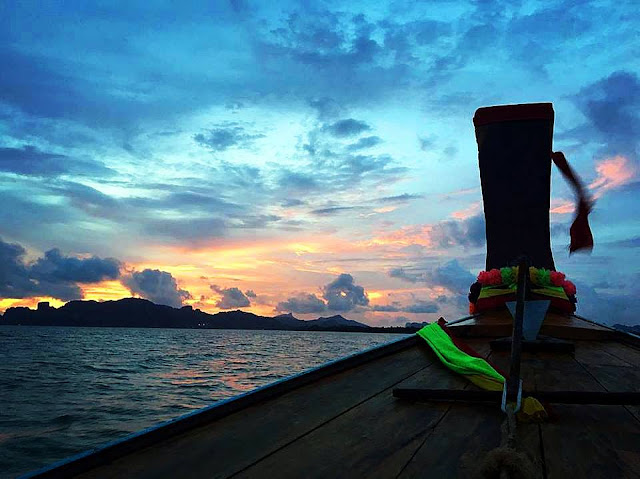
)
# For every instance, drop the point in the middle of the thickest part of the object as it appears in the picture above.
(495, 277)
(557, 278)
(483, 278)
(569, 288)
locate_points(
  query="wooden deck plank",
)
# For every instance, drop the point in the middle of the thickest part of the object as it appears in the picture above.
(499, 323)
(617, 375)
(459, 443)
(374, 439)
(234, 442)
(624, 352)
(585, 441)
(598, 353)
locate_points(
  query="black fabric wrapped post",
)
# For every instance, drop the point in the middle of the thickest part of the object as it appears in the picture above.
(514, 152)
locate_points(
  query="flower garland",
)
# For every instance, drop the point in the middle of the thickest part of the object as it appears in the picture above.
(539, 276)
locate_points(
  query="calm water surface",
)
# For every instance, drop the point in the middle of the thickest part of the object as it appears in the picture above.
(64, 390)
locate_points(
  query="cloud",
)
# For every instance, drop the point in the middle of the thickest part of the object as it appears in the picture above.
(333, 210)
(226, 136)
(56, 267)
(418, 307)
(469, 232)
(296, 182)
(450, 275)
(53, 275)
(347, 128)
(633, 242)
(303, 303)
(612, 173)
(364, 143)
(403, 274)
(16, 280)
(250, 293)
(609, 307)
(326, 107)
(292, 202)
(403, 198)
(30, 161)
(450, 152)
(343, 294)
(421, 307)
(157, 286)
(186, 229)
(387, 308)
(231, 298)
(611, 106)
(426, 143)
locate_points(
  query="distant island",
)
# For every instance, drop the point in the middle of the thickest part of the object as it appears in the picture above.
(635, 329)
(141, 313)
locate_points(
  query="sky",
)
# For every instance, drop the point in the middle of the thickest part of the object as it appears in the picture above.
(317, 158)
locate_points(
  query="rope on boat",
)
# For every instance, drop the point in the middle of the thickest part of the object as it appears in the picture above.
(505, 462)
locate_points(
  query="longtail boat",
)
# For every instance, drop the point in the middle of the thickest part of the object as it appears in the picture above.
(522, 387)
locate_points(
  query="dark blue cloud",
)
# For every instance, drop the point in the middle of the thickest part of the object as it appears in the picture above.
(426, 144)
(226, 136)
(611, 106)
(292, 202)
(231, 298)
(53, 275)
(326, 107)
(405, 275)
(633, 242)
(450, 275)
(347, 128)
(157, 286)
(343, 294)
(292, 182)
(302, 303)
(192, 230)
(403, 198)
(419, 307)
(56, 267)
(333, 210)
(33, 83)
(15, 281)
(248, 221)
(364, 143)
(468, 233)
(28, 160)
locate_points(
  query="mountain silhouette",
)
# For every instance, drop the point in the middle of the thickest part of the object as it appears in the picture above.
(141, 313)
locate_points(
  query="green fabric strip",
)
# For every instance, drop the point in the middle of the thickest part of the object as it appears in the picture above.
(452, 357)
(493, 291)
(555, 291)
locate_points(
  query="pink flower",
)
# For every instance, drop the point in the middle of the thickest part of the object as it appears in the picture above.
(569, 288)
(557, 278)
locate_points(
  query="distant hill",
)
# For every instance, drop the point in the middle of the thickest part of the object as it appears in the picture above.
(635, 329)
(141, 313)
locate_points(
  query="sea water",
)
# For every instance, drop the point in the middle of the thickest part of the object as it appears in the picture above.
(64, 390)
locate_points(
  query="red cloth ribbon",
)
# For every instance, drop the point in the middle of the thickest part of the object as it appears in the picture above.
(581, 237)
